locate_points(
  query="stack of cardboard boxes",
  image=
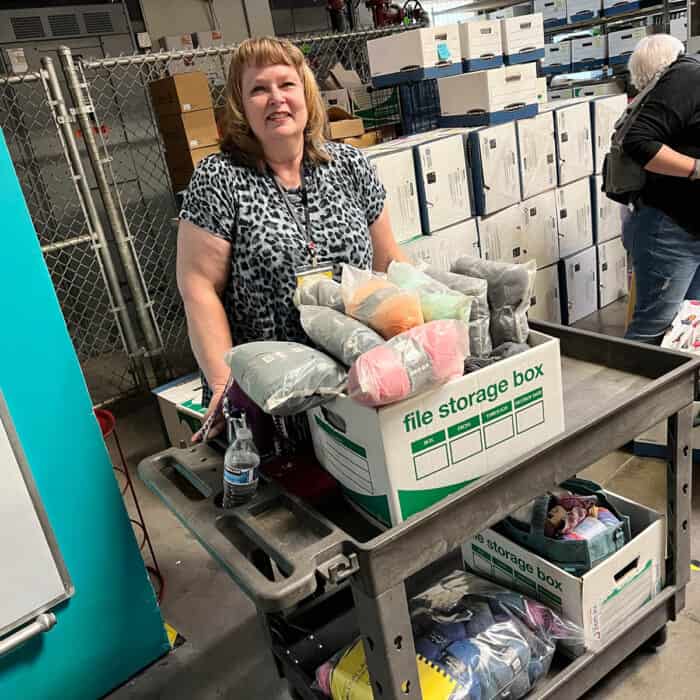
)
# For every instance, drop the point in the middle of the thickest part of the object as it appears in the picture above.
(185, 113)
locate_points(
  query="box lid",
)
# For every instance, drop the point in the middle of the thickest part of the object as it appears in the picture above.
(183, 92)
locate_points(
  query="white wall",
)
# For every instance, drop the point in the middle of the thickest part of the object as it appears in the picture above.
(169, 17)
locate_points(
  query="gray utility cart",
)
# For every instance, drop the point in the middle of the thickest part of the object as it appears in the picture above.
(320, 576)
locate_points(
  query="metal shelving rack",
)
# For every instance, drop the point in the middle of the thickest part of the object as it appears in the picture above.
(613, 391)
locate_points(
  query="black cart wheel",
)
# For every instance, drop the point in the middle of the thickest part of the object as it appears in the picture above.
(658, 639)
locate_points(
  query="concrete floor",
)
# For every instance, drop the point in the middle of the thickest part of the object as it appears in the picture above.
(225, 656)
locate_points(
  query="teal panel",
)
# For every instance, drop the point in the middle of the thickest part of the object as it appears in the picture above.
(112, 626)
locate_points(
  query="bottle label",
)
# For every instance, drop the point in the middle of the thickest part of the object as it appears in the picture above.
(240, 477)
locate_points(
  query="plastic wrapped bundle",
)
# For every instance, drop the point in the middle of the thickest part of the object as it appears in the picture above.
(510, 288)
(437, 301)
(321, 292)
(378, 303)
(474, 641)
(414, 361)
(479, 320)
(339, 335)
(285, 378)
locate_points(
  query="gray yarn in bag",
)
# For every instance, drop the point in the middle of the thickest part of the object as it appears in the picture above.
(339, 335)
(285, 378)
(479, 319)
(322, 292)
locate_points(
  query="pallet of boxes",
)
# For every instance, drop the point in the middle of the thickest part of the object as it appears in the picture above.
(185, 113)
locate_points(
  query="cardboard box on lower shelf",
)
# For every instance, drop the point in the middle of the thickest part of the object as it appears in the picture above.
(545, 303)
(601, 600)
(612, 272)
(342, 125)
(181, 408)
(578, 286)
(442, 248)
(398, 460)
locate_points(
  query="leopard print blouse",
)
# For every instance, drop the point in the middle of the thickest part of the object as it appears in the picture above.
(244, 207)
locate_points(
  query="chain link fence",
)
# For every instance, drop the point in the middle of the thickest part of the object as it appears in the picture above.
(91, 162)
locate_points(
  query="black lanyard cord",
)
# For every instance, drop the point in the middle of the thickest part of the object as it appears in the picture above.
(305, 226)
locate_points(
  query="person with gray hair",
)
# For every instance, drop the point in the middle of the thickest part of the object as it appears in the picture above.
(663, 234)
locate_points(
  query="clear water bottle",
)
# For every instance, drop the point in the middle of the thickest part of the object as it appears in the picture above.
(241, 461)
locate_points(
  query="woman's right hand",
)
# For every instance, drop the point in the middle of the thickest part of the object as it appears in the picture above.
(215, 409)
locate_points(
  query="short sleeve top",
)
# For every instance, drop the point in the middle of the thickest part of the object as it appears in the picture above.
(245, 207)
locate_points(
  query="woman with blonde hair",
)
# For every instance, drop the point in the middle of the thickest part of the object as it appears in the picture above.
(277, 201)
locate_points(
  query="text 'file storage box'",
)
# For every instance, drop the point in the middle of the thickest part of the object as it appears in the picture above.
(553, 12)
(583, 10)
(397, 173)
(502, 235)
(574, 221)
(622, 43)
(612, 272)
(616, 7)
(545, 303)
(523, 38)
(557, 58)
(487, 97)
(572, 130)
(609, 217)
(445, 247)
(578, 285)
(493, 157)
(443, 183)
(536, 154)
(397, 460)
(540, 237)
(481, 44)
(416, 54)
(588, 53)
(605, 111)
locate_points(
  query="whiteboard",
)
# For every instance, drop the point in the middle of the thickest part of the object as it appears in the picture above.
(34, 577)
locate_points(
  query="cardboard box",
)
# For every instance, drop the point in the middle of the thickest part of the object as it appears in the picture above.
(679, 28)
(337, 98)
(522, 38)
(622, 43)
(540, 236)
(608, 216)
(583, 10)
(368, 139)
(541, 91)
(512, 11)
(588, 52)
(396, 171)
(177, 94)
(400, 459)
(493, 158)
(481, 44)
(376, 107)
(502, 235)
(443, 183)
(578, 286)
(612, 272)
(553, 12)
(341, 125)
(344, 78)
(537, 155)
(555, 95)
(572, 131)
(557, 58)
(181, 408)
(608, 88)
(445, 247)
(600, 600)
(488, 97)
(616, 7)
(181, 164)
(545, 303)
(189, 130)
(428, 52)
(574, 219)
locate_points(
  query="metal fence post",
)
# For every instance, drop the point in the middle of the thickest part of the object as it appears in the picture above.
(119, 227)
(63, 120)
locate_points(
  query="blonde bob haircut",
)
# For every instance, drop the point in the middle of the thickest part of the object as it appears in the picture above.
(238, 138)
(651, 56)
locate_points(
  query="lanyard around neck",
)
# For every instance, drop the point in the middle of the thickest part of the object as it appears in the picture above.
(305, 226)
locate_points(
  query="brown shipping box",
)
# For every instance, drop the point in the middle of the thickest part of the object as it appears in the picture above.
(184, 92)
(369, 138)
(341, 125)
(181, 164)
(189, 130)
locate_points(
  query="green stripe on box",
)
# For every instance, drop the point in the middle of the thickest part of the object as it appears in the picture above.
(504, 567)
(481, 552)
(464, 427)
(357, 449)
(415, 501)
(429, 441)
(531, 396)
(497, 412)
(621, 588)
(530, 583)
(377, 506)
(549, 596)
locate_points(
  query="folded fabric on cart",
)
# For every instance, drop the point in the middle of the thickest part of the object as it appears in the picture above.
(419, 359)
(474, 641)
(509, 292)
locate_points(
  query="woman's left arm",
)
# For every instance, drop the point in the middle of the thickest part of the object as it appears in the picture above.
(385, 246)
